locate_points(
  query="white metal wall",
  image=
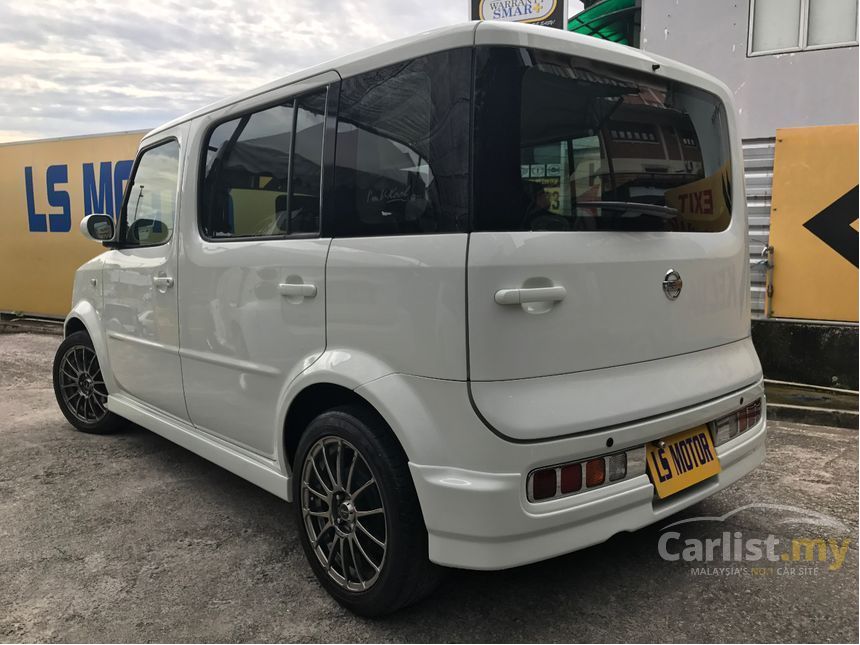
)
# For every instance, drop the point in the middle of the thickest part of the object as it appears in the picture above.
(758, 175)
(817, 87)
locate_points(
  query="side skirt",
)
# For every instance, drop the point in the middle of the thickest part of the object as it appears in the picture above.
(264, 473)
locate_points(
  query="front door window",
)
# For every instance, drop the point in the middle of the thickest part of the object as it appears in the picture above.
(150, 208)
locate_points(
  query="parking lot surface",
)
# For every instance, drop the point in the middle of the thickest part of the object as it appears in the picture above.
(130, 538)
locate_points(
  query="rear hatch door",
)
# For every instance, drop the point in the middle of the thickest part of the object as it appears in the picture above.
(609, 224)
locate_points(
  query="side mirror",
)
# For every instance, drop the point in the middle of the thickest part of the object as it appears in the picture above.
(98, 227)
(147, 231)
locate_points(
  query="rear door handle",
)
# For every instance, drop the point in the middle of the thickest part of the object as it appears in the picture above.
(162, 281)
(303, 290)
(531, 294)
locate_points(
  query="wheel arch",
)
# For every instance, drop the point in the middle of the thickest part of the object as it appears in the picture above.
(84, 317)
(73, 325)
(312, 401)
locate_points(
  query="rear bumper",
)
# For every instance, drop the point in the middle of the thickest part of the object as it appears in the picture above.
(471, 482)
(479, 520)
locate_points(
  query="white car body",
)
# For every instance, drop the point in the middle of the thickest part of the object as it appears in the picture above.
(217, 360)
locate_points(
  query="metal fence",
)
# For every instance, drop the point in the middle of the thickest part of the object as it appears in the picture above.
(758, 173)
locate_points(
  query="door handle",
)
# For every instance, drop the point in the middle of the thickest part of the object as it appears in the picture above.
(530, 294)
(162, 281)
(303, 290)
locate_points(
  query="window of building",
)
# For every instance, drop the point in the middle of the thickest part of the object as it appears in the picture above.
(262, 172)
(831, 22)
(150, 209)
(402, 153)
(778, 26)
(564, 143)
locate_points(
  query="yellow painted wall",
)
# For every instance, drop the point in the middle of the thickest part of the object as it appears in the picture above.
(813, 168)
(37, 267)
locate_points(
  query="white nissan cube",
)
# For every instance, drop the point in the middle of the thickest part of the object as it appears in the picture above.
(474, 299)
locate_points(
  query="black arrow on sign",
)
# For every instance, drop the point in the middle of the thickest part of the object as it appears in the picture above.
(833, 226)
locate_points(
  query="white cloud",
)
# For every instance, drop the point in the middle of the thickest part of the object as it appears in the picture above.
(84, 66)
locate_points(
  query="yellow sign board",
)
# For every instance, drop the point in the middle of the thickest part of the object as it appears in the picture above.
(705, 204)
(46, 188)
(813, 227)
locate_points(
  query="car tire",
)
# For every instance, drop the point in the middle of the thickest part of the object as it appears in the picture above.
(348, 464)
(79, 386)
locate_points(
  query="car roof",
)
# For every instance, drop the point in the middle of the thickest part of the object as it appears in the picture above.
(466, 34)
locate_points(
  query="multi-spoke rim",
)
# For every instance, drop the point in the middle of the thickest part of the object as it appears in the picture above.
(343, 513)
(82, 385)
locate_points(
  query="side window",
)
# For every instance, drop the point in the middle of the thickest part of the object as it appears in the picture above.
(247, 169)
(150, 209)
(402, 153)
(256, 184)
(307, 162)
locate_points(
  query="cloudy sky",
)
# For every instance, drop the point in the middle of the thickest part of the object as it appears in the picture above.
(85, 66)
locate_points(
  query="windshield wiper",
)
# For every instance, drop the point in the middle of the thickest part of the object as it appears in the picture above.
(666, 212)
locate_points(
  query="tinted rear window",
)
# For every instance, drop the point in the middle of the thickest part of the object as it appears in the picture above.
(570, 144)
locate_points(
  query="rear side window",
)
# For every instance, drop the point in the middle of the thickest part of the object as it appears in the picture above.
(401, 160)
(569, 144)
(262, 172)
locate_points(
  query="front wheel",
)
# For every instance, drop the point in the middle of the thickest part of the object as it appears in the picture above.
(80, 388)
(360, 523)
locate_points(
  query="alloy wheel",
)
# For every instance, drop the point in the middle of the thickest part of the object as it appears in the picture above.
(343, 513)
(82, 385)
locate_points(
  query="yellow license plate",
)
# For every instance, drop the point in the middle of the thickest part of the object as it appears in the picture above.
(682, 460)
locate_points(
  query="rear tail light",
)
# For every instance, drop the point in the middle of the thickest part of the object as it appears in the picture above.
(725, 429)
(730, 426)
(561, 480)
(616, 467)
(544, 483)
(749, 416)
(595, 472)
(574, 477)
(571, 478)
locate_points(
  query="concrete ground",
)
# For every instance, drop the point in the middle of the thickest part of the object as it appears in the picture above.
(131, 538)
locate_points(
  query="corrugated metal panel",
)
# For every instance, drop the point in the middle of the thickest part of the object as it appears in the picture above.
(758, 174)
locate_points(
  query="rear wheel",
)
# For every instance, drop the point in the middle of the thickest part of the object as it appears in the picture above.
(80, 388)
(360, 522)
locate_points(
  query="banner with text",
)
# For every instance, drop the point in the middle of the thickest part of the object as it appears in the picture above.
(545, 13)
(46, 188)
